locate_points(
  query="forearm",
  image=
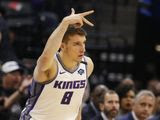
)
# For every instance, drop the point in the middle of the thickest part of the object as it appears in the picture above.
(12, 99)
(53, 44)
(55, 39)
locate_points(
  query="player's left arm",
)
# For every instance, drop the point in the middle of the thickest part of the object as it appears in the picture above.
(90, 66)
(79, 114)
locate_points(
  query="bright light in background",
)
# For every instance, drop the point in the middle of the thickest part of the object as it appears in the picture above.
(157, 48)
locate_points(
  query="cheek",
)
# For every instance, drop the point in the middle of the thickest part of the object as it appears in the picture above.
(71, 49)
(107, 107)
(138, 109)
(10, 78)
(118, 106)
(123, 102)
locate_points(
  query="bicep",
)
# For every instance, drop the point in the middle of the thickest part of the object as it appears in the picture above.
(41, 75)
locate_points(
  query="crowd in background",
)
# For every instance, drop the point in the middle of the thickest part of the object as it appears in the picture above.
(101, 102)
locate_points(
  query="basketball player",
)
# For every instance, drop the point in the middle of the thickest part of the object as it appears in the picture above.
(60, 78)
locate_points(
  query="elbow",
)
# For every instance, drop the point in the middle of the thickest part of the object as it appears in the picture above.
(43, 63)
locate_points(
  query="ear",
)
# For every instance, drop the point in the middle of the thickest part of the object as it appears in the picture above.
(62, 46)
(101, 107)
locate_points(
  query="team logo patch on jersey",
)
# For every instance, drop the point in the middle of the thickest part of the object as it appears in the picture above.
(80, 71)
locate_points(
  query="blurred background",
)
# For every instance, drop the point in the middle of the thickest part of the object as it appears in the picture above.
(124, 43)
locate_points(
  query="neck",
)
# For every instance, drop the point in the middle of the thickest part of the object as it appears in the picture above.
(68, 63)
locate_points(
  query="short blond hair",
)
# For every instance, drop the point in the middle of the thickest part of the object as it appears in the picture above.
(72, 30)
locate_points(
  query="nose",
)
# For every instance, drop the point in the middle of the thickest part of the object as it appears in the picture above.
(129, 99)
(115, 104)
(83, 49)
(146, 108)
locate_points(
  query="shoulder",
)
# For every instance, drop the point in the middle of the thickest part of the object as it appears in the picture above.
(88, 59)
(86, 108)
(90, 65)
(98, 117)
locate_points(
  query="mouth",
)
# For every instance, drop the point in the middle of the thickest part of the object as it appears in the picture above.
(80, 56)
(128, 104)
(145, 115)
(114, 112)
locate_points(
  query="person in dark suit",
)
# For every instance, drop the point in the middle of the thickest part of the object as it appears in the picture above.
(143, 106)
(128, 116)
(92, 108)
(109, 106)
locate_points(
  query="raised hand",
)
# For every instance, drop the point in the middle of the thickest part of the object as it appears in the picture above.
(78, 19)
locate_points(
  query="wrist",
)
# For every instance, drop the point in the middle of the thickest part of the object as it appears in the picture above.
(65, 22)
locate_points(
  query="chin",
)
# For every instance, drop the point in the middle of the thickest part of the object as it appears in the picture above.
(79, 59)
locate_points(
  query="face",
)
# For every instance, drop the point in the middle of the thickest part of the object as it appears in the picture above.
(12, 80)
(128, 101)
(111, 105)
(75, 47)
(143, 107)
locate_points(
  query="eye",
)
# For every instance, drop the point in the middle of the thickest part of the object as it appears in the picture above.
(150, 105)
(143, 104)
(110, 102)
(77, 44)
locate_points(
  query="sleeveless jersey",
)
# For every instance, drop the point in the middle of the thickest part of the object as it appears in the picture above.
(61, 98)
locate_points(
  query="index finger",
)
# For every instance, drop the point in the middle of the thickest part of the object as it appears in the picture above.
(87, 13)
(72, 11)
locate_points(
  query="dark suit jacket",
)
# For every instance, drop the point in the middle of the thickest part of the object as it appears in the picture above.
(89, 112)
(98, 117)
(155, 118)
(126, 117)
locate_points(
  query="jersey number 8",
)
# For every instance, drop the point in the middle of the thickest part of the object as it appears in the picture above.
(67, 97)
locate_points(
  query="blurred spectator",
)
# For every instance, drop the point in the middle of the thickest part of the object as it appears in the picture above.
(92, 108)
(128, 81)
(143, 106)
(151, 85)
(109, 106)
(12, 88)
(156, 115)
(126, 94)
